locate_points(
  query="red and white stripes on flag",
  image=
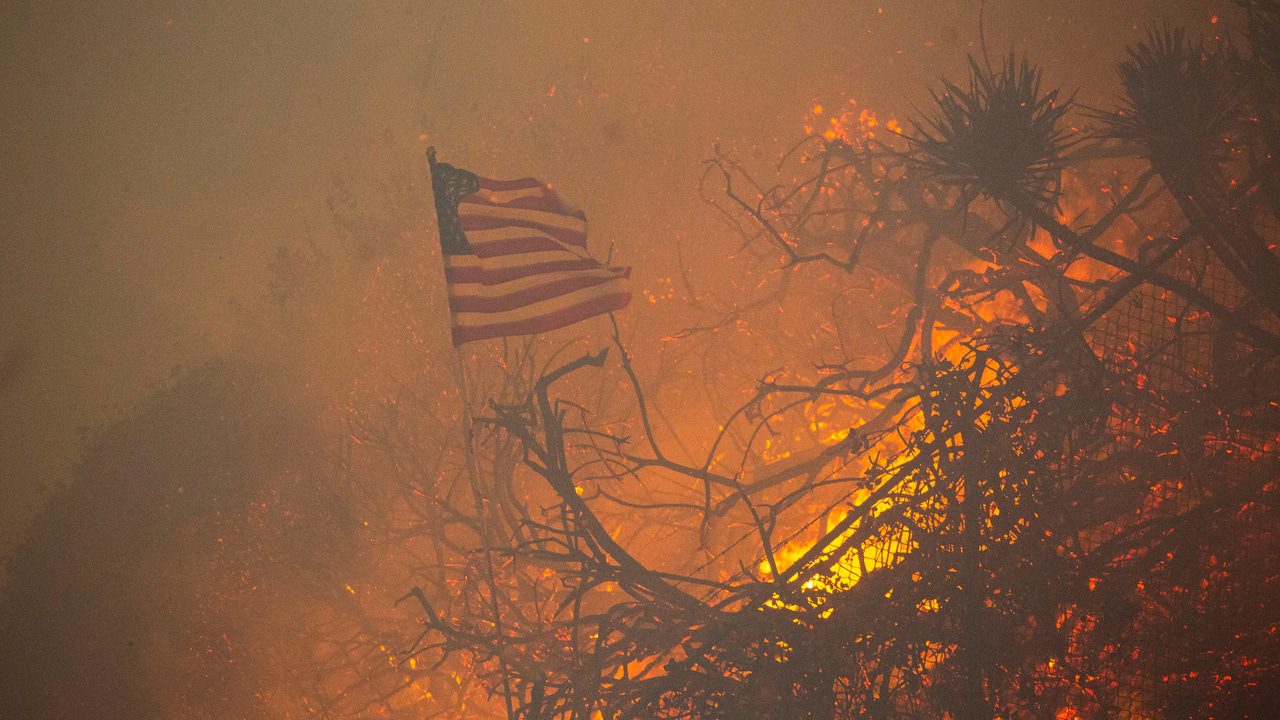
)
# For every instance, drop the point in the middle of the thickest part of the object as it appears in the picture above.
(521, 265)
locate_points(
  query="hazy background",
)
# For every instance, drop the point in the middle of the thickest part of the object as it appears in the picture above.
(155, 155)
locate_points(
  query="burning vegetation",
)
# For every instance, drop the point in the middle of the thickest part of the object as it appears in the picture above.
(1052, 494)
(979, 421)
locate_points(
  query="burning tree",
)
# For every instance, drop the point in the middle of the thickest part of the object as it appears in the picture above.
(1052, 493)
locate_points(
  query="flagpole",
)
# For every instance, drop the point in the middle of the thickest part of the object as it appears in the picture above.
(482, 515)
(473, 475)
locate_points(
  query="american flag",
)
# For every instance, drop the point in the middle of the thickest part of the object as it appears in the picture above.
(515, 257)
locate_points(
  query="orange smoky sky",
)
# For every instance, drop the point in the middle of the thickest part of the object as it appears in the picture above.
(156, 155)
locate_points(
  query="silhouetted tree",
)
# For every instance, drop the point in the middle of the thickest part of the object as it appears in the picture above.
(1051, 495)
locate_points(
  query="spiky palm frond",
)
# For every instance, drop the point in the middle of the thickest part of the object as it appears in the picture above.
(1000, 137)
(1263, 33)
(1261, 71)
(1180, 103)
